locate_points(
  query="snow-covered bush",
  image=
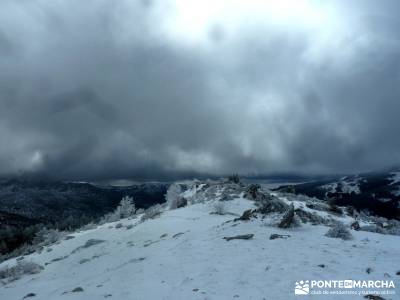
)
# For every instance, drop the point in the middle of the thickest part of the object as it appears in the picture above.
(88, 226)
(152, 212)
(47, 237)
(252, 190)
(21, 268)
(173, 196)
(313, 218)
(125, 209)
(339, 231)
(139, 211)
(219, 208)
(270, 204)
(373, 228)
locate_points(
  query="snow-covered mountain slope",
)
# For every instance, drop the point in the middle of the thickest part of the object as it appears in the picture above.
(378, 192)
(182, 255)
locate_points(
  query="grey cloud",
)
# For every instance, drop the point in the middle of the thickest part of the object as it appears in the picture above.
(96, 90)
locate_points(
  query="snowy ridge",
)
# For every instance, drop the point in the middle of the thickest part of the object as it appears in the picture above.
(345, 185)
(182, 255)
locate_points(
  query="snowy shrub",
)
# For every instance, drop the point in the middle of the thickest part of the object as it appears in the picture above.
(252, 190)
(21, 268)
(219, 208)
(88, 226)
(182, 202)
(393, 230)
(332, 206)
(289, 219)
(125, 209)
(139, 211)
(152, 212)
(373, 228)
(269, 204)
(313, 218)
(173, 196)
(47, 237)
(339, 231)
(335, 209)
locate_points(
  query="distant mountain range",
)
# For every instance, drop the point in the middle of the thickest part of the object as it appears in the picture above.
(377, 192)
(25, 202)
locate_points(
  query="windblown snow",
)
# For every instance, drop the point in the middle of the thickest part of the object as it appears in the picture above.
(181, 254)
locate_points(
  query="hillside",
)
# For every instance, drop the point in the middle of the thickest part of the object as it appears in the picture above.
(378, 192)
(48, 201)
(26, 205)
(182, 253)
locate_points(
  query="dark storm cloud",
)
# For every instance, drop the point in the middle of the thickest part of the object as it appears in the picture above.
(97, 89)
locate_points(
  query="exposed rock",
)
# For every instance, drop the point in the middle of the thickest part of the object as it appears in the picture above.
(245, 216)
(177, 234)
(29, 295)
(278, 236)
(355, 225)
(239, 237)
(89, 243)
(77, 290)
(84, 260)
(181, 202)
(59, 258)
(135, 260)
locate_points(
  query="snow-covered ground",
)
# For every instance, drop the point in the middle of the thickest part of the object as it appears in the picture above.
(182, 255)
(347, 184)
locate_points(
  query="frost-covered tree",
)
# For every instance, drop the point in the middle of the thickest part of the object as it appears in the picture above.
(126, 208)
(173, 196)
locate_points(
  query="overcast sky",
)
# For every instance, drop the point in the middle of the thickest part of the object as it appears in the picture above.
(157, 89)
